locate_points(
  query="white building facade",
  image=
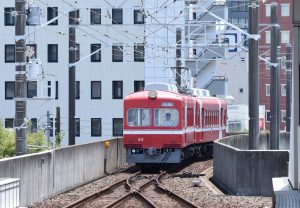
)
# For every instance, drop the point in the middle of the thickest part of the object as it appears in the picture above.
(103, 79)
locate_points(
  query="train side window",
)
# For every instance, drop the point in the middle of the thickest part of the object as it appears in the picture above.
(166, 117)
(139, 117)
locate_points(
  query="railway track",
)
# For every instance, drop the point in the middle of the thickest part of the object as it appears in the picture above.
(137, 189)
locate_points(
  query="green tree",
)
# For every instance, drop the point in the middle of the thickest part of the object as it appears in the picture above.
(8, 145)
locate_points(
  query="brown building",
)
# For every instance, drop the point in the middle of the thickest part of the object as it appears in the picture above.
(285, 21)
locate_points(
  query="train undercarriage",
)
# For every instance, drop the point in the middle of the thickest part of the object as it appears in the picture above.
(167, 155)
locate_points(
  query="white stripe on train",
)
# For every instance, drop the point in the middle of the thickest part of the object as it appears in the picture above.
(171, 132)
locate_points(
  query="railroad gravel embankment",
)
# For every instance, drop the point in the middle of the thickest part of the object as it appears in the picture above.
(202, 195)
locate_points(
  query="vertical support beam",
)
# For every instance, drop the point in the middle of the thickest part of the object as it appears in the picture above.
(295, 127)
(20, 77)
(57, 121)
(275, 81)
(253, 77)
(178, 57)
(72, 79)
(288, 86)
(48, 127)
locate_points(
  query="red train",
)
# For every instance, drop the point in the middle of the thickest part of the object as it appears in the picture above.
(167, 127)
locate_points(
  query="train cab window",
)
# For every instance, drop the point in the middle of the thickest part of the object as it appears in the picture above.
(166, 117)
(139, 117)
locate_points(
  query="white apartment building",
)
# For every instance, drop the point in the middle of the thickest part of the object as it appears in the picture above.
(103, 79)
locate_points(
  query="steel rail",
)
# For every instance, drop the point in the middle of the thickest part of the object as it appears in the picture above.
(95, 194)
(180, 199)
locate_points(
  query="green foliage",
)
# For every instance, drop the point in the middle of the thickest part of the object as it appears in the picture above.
(58, 139)
(7, 142)
(8, 145)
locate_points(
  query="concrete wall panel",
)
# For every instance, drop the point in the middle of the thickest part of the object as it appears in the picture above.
(248, 172)
(43, 175)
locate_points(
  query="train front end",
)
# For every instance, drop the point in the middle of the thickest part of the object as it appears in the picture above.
(153, 127)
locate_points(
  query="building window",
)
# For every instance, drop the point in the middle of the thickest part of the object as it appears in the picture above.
(283, 116)
(268, 37)
(139, 51)
(194, 15)
(117, 53)
(283, 89)
(241, 90)
(95, 90)
(77, 52)
(9, 53)
(139, 17)
(95, 16)
(52, 12)
(50, 89)
(267, 63)
(77, 90)
(268, 10)
(33, 127)
(268, 116)
(117, 126)
(285, 36)
(56, 90)
(53, 53)
(9, 123)
(267, 89)
(285, 10)
(96, 57)
(96, 127)
(117, 89)
(139, 86)
(9, 90)
(77, 127)
(117, 16)
(9, 20)
(31, 89)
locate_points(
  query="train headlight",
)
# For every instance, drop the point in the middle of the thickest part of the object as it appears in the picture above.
(132, 151)
(152, 94)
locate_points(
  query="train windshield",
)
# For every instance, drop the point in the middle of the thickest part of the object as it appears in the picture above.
(165, 117)
(139, 117)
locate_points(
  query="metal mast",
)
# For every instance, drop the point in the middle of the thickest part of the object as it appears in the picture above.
(253, 77)
(178, 57)
(20, 77)
(275, 82)
(72, 80)
(288, 86)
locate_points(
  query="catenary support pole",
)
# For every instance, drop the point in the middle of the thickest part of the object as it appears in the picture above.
(253, 77)
(178, 57)
(48, 127)
(57, 122)
(72, 80)
(294, 162)
(288, 86)
(20, 77)
(275, 82)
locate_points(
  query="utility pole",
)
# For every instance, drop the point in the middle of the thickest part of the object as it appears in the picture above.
(288, 86)
(72, 80)
(57, 123)
(253, 77)
(20, 77)
(48, 127)
(178, 57)
(294, 163)
(275, 82)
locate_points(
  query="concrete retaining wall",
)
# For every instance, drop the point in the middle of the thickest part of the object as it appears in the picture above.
(46, 174)
(248, 172)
